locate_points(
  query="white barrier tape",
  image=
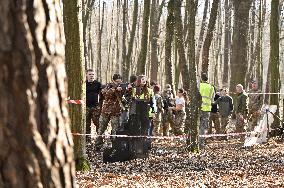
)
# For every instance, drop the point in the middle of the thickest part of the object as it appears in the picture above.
(166, 137)
(266, 93)
(75, 101)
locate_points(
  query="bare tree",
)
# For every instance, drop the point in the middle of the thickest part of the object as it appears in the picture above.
(75, 71)
(240, 43)
(99, 50)
(35, 138)
(156, 12)
(141, 63)
(192, 110)
(274, 56)
(201, 34)
(209, 36)
(168, 43)
(131, 41)
(227, 42)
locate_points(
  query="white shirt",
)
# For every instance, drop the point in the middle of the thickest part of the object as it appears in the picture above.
(181, 101)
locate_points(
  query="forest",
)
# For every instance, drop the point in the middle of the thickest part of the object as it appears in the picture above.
(48, 49)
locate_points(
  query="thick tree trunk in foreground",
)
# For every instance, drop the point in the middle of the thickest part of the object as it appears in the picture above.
(75, 72)
(192, 109)
(35, 139)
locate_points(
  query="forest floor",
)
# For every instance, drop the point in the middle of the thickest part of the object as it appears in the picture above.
(220, 164)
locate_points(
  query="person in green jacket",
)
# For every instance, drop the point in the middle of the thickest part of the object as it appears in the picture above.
(241, 109)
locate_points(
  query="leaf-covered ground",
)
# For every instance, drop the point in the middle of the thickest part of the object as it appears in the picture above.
(220, 164)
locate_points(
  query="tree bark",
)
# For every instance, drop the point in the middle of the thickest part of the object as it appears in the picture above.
(201, 34)
(86, 13)
(240, 43)
(124, 30)
(251, 65)
(209, 36)
(141, 63)
(258, 51)
(192, 108)
(99, 52)
(156, 12)
(274, 56)
(74, 57)
(35, 138)
(132, 35)
(170, 23)
(227, 42)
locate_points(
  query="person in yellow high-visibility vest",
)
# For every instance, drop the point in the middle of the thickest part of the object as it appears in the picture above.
(142, 107)
(207, 93)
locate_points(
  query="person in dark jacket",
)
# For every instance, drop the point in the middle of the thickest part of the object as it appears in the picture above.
(214, 116)
(241, 108)
(93, 90)
(225, 104)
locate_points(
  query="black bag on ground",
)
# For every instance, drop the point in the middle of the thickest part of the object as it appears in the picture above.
(119, 151)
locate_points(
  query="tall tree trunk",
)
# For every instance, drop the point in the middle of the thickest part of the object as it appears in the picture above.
(250, 73)
(240, 43)
(274, 55)
(192, 109)
(227, 42)
(86, 14)
(154, 34)
(168, 43)
(75, 71)
(124, 32)
(201, 34)
(99, 52)
(209, 36)
(258, 51)
(35, 138)
(218, 56)
(132, 35)
(117, 64)
(141, 63)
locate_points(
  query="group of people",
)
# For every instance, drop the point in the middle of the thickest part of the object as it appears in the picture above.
(218, 107)
(117, 103)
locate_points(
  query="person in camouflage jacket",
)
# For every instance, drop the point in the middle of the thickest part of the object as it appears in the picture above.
(255, 104)
(241, 109)
(158, 116)
(111, 109)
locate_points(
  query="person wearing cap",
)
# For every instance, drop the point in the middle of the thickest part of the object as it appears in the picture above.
(241, 109)
(207, 93)
(254, 106)
(167, 115)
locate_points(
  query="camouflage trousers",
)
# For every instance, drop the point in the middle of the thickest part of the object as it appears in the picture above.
(240, 123)
(105, 119)
(156, 121)
(167, 121)
(214, 118)
(178, 122)
(253, 119)
(203, 128)
(92, 114)
(224, 123)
